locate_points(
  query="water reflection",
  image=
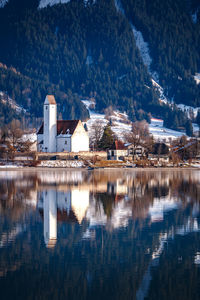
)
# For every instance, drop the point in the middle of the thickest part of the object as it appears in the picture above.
(106, 232)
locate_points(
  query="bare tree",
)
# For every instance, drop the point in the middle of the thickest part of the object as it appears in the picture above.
(14, 132)
(139, 133)
(96, 133)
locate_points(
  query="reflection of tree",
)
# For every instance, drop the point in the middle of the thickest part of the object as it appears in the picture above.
(107, 201)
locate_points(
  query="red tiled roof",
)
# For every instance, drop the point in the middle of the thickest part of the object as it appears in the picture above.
(118, 145)
(68, 125)
(63, 126)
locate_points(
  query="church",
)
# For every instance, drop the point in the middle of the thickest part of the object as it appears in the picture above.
(60, 135)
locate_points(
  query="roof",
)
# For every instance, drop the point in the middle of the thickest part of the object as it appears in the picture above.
(158, 120)
(63, 127)
(118, 145)
(50, 99)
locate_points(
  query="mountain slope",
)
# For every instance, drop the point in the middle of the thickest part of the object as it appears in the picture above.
(87, 49)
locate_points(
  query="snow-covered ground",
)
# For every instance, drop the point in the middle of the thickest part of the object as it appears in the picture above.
(61, 164)
(121, 124)
(10, 166)
(161, 133)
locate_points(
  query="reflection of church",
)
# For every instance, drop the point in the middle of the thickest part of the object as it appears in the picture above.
(61, 206)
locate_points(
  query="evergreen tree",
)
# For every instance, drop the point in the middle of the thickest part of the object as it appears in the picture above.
(198, 120)
(189, 128)
(107, 138)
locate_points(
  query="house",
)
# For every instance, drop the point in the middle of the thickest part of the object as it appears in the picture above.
(160, 153)
(162, 158)
(117, 151)
(60, 135)
(137, 152)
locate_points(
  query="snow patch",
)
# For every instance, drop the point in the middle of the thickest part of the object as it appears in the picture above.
(10, 166)
(119, 7)
(142, 46)
(5, 99)
(197, 78)
(61, 164)
(44, 3)
(89, 60)
(162, 97)
(189, 110)
(31, 137)
(3, 3)
(195, 16)
(197, 258)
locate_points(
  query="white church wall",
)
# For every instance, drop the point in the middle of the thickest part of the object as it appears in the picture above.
(63, 143)
(80, 139)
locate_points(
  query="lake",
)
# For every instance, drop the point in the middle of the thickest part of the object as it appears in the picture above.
(103, 234)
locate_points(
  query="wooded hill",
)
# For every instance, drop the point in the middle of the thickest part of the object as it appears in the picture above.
(75, 51)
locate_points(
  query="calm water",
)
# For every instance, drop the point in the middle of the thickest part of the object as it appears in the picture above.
(119, 234)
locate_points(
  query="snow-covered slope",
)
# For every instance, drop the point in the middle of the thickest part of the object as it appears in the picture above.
(121, 123)
(5, 99)
(145, 54)
(191, 111)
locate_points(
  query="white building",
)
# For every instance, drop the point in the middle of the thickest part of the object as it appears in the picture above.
(60, 135)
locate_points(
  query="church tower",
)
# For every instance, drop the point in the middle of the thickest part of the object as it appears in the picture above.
(50, 124)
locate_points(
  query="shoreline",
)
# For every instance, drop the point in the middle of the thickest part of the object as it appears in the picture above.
(25, 168)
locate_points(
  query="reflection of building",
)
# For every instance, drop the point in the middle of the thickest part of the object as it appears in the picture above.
(118, 187)
(61, 206)
(50, 217)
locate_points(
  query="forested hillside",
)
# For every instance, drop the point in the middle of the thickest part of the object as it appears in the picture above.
(79, 50)
(174, 40)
